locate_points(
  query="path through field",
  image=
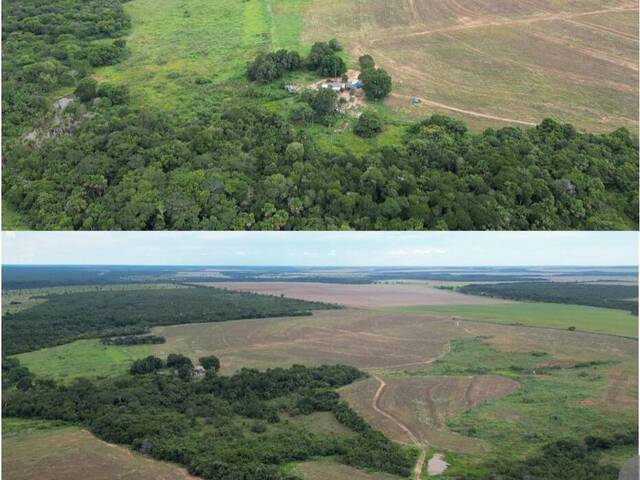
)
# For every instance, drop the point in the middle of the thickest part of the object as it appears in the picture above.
(375, 403)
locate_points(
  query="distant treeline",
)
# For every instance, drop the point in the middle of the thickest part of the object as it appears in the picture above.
(621, 297)
(133, 340)
(220, 428)
(66, 317)
(24, 277)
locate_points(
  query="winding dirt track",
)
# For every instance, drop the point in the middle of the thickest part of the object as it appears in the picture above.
(375, 403)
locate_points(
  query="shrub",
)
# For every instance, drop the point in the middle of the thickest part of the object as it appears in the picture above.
(368, 125)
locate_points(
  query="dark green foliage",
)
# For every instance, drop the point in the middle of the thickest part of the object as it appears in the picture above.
(323, 102)
(210, 362)
(566, 460)
(366, 61)
(332, 66)
(176, 360)
(133, 340)
(594, 294)
(196, 423)
(270, 66)
(146, 365)
(13, 373)
(376, 83)
(117, 94)
(154, 173)
(86, 90)
(67, 317)
(368, 125)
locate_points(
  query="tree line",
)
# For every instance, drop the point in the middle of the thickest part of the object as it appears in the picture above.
(62, 318)
(621, 297)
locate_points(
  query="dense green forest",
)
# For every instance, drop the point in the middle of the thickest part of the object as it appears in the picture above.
(62, 318)
(623, 297)
(106, 164)
(220, 428)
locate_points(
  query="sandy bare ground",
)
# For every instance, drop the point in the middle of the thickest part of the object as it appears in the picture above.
(363, 296)
(363, 338)
(71, 453)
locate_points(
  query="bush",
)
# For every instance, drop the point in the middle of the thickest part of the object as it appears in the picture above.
(210, 362)
(376, 83)
(366, 61)
(368, 125)
(86, 90)
(146, 365)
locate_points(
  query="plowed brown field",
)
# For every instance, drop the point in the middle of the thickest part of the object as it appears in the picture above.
(495, 62)
(373, 295)
(72, 453)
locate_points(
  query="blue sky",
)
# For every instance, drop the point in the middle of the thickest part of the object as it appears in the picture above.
(322, 248)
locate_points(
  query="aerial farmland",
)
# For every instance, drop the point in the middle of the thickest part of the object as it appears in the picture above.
(456, 386)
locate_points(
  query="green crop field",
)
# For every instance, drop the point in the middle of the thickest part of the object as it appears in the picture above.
(83, 358)
(551, 315)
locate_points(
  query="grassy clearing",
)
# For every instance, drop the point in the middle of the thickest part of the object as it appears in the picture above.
(559, 403)
(548, 315)
(83, 358)
(178, 46)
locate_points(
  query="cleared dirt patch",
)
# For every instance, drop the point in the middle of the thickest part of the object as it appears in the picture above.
(72, 453)
(374, 295)
(422, 404)
(362, 338)
(495, 62)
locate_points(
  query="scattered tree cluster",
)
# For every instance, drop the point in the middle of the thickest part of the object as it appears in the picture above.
(270, 66)
(322, 59)
(53, 44)
(376, 82)
(66, 317)
(202, 424)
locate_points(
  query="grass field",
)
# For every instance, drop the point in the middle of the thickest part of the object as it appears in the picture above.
(177, 46)
(551, 315)
(36, 449)
(83, 358)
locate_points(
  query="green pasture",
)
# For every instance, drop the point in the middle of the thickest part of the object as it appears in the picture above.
(82, 358)
(548, 315)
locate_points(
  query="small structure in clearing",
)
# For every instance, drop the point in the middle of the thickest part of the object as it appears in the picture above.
(198, 371)
(291, 88)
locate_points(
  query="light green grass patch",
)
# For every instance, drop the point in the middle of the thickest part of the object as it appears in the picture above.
(288, 23)
(13, 427)
(82, 358)
(174, 42)
(550, 315)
